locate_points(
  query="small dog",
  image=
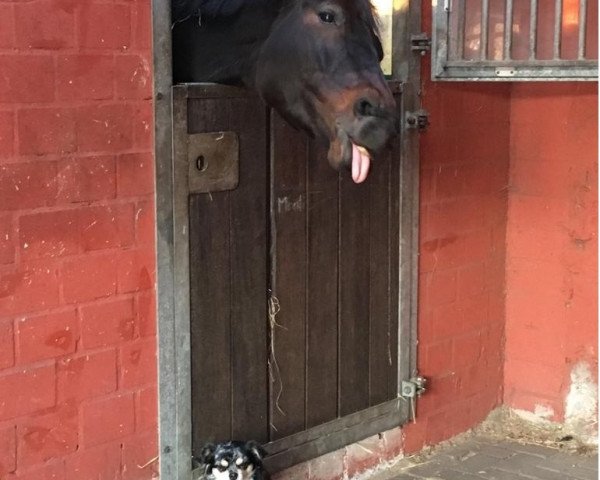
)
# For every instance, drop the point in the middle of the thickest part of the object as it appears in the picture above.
(232, 461)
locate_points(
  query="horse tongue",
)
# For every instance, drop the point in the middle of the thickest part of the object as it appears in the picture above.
(361, 163)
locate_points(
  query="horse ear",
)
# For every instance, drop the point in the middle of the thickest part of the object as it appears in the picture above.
(207, 454)
(256, 449)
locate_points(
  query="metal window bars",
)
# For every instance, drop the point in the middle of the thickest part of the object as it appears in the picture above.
(515, 40)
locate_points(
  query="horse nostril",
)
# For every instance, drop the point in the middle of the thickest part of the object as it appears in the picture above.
(364, 108)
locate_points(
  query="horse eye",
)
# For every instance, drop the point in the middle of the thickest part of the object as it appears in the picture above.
(327, 17)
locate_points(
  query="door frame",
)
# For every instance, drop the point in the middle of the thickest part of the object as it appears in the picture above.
(172, 246)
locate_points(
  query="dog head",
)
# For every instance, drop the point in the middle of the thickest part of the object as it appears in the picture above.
(232, 460)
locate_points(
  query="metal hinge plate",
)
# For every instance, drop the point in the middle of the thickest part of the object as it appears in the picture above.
(414, 387)
(420, 42)
(418, 120)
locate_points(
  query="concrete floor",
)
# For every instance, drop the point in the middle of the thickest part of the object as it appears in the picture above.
(480, 458)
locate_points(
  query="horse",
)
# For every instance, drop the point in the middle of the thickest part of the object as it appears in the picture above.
(316, 62)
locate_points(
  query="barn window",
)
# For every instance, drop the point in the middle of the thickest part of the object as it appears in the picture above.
(515, 40)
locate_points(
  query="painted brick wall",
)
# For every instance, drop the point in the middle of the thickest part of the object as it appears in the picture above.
(77, 335)
(551, 308)
(464, 174)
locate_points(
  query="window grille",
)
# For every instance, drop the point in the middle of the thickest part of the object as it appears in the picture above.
(515, 40)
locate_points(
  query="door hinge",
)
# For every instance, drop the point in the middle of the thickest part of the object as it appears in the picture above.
(411, 390)
(414, 388)
(418, 120)
(420, 42)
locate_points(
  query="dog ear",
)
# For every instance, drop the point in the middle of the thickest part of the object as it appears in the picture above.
(257, 449)
(207, 454)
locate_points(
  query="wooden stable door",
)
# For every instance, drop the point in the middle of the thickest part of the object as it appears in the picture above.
(293, 280)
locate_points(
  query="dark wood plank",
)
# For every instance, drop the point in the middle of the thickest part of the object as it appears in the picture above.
(239, 399)
(210, 299)
(210, 312)
(322, 299)
(248, 247)
(289, 150)
(380, 335)
(354, 296)
(394, 267)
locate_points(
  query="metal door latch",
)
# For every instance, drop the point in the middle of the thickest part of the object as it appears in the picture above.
(421, 43)
(418, 119)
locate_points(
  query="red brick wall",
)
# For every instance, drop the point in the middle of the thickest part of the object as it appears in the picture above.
(77, 335)
(464, 173)
(551, 307)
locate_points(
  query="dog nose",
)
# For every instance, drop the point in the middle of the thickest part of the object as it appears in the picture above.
(233, 475)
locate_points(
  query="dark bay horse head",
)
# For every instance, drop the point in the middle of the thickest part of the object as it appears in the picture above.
(314, 61)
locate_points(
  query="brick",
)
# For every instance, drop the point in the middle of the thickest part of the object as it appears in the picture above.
(7, 26)
(26, 391)
(327, 467)
(140, 456)
(146, 310)
(7, 135)
(142, 27)
(47, 336)
(47, 130)
(363, 455)
(133, 77)
(145, 223)
(143, 126)
(49, 234)
(136, 270)
(414, 434)
(8, 450)
(471, 280)
(531, 377)
(466, 350)
(107, 227)
(34, 286)
(438, 287)
(138, 364)
(17, 85)
(43, 437)
(105, 26)
(85, 77)
(103, 462)
(86, 179)
(53, 470)
(146, 410)
(27, 185)
(107, 323)
(7, 247)
(7, 344)
(89, 278)
(135, 175)
(86, 376)
(450, 181)
(438, 358)
(455, 216)
(42, 25)
(107, 419)
(105, 128)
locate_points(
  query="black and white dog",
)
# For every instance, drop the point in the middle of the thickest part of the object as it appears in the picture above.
(232, 461)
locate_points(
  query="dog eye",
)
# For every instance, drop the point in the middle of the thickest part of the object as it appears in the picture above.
(327, 17)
